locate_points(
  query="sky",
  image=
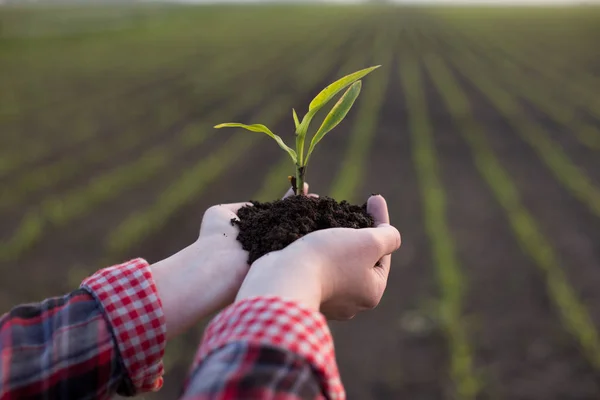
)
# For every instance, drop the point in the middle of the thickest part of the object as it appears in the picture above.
(540, 2)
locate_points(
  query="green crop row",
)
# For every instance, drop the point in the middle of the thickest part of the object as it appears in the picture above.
(571, 309)
(275, 184)
(448, 270)
(194, 181)
(550, 152)
(355, 162)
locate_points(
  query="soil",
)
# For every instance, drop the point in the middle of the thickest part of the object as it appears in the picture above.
(272, 226)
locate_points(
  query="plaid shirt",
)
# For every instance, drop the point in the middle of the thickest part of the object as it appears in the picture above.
(109, 337)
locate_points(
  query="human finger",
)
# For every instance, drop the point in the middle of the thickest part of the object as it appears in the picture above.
(291, 192)
(218, 218)
(234, 207)
(378, 209)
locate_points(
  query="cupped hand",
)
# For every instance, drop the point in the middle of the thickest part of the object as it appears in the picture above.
(205, 276)
(218, 237)
(339, 271)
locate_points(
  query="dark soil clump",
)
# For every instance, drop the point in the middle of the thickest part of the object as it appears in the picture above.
(266, 227)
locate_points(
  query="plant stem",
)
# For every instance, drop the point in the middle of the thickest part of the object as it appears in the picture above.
(300, 171)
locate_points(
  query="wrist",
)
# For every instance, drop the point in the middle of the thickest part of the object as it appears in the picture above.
(292, 276)
(190, 286)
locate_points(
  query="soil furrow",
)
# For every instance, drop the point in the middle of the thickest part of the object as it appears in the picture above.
(572, 230)
(521, 348)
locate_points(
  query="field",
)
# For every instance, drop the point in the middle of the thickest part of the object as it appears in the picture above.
(482, 130)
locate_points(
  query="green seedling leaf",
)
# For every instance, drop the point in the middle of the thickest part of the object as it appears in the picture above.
(327, 94)
(263, 129)
(330, 91)
(296, 121)
(336, 115)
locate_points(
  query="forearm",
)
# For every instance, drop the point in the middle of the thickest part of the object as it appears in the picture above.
(191, 285)
(266, 347)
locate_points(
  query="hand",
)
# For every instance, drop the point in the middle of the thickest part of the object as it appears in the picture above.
(339, 271)
(205, 276)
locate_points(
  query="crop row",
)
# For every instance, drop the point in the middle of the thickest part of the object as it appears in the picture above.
(527, 232)
(447, 266)
(355, 162)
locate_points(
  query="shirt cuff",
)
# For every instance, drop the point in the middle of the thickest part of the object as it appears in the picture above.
(130, 301)
(272, 321)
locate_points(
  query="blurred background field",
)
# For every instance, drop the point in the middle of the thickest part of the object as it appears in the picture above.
(482, 129)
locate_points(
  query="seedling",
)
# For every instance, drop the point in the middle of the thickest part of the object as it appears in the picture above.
(337, 113)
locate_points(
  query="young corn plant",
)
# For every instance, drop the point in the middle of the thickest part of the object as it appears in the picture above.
(337, 113)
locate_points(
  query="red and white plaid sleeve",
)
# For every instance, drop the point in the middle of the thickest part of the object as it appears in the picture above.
(130, 301)
(256, 325)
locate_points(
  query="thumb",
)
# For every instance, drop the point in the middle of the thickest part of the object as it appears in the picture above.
(377, 207)
(384, 240)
